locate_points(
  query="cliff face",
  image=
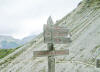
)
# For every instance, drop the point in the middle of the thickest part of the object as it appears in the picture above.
(84, 24)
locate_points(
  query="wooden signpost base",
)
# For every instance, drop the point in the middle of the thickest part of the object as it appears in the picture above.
(51, 59)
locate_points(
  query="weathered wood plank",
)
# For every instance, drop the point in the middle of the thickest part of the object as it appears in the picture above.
(56, 31)
(57, 40)
(51, 53)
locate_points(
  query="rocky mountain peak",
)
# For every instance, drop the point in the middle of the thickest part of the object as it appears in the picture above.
(90, 3)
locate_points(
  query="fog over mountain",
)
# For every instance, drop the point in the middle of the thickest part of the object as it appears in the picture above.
(7, 42)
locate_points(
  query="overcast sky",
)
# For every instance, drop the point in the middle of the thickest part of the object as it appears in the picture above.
(20, 18)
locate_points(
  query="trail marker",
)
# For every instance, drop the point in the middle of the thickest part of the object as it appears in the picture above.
(53, 35)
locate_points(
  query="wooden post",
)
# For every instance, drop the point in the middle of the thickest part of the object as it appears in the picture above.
(53, 35)
(51, 59)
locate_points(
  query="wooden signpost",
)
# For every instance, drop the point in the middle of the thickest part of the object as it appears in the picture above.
(53, 35)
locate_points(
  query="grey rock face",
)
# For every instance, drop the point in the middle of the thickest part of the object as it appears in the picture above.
(84, 23)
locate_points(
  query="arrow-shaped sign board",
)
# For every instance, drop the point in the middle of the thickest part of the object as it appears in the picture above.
(56, 34)
(51, 53)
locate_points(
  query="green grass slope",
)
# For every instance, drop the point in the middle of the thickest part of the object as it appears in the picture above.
(5, 52)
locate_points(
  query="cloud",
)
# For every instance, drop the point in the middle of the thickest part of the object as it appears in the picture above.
(23, 17)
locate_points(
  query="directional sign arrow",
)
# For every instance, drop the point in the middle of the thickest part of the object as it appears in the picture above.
(50, 53)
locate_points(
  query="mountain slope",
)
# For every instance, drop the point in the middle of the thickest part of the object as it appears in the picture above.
(27, 39)
(84, 23)
(7, 42)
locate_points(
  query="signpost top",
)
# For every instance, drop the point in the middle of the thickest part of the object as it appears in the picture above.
(50, 21)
